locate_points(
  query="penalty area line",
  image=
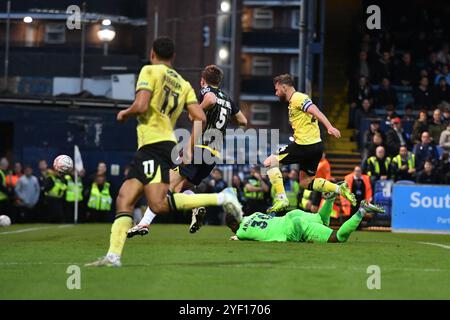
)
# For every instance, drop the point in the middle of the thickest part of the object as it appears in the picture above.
(36, 228)
(435, 244)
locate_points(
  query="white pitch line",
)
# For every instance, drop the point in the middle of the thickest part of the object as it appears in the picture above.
(436, 244)
(36, 228)
(290, 267)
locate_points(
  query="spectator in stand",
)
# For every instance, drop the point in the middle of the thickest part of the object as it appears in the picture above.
(238, 186)
(420, 126)
(436, 127)
(423, 95)
(13, 177)
(444, 168)
(425, 150)
(396, 137)
(215, 185)
(385, 94)
(374, 128)
(100, 199)
(377, 140)
(421, 46)
(383, 68)
(441, 92)
(379, 166)
(406, 73)
(390, 113)
(362, 68)
(409, 115)
(433, 66)
(444, 140)
(404, 165)
(443, 56)
(446, 116)
(41, 208)
(255, 188)
(27, 192)
(356, 96)
(385, 44)
(428, 175)
(363, 113)
(4, 191)
(443, 74)
(360, 186)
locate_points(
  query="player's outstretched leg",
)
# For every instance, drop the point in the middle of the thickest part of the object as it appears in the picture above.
(323, 185)
(327, 207)
(280, 202)
(352, 224)
(130, 191)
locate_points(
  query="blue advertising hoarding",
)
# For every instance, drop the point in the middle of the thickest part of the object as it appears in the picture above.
(421, 208)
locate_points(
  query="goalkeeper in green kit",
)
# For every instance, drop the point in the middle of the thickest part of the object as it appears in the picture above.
(298, 225)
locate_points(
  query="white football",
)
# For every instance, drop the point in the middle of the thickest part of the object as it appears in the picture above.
(5, 221)
(63, 164)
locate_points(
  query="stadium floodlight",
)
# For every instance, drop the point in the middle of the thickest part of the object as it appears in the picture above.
(223, 53)
(225, 6)
(106, 34)
(106, 22)
(27, 19)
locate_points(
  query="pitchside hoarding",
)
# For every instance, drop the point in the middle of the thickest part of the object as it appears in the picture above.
(421, 208)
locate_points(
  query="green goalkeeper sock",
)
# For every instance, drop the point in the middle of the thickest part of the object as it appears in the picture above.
(349, 226)
(325, 211)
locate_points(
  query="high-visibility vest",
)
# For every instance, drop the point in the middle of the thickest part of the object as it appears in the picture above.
(3, 196)
(374, 161)
(100, 201)
(292, 195)
(345, 204)
(58, 189)
(255, 195)
(72, 188)
(411, 160)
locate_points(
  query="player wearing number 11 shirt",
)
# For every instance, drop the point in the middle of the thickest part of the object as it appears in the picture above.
(161, 95)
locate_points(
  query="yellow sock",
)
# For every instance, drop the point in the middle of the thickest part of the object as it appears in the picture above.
(191, 201)
(276, 179)
(322, 185)
(119, 233)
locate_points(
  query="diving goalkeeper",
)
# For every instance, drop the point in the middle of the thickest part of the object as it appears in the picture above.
(298, 225)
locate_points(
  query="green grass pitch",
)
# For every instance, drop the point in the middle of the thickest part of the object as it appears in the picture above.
(170, 263)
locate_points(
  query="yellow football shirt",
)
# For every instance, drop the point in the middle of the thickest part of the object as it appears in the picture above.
(305, 125)
(170, 94)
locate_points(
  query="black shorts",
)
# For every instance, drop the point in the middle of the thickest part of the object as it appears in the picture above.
(315, 198)
(195, 173)
(152, 163)
(306, 156)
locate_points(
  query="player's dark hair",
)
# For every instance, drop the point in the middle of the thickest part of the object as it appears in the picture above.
(164, 48)
(213, 75)
(286, 79)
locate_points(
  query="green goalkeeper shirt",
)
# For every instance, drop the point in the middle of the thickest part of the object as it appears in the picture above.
(263, 227)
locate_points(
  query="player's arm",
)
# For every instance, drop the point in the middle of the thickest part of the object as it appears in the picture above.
(240, 119)
(312, 109)
(198, 117)
(139, 106)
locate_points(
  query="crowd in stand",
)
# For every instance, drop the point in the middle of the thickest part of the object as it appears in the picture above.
(50, 197)
(400, 82)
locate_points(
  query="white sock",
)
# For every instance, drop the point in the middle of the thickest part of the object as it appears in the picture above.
(149, 215)
(220, 198)
(147, 218)
(112, 257)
